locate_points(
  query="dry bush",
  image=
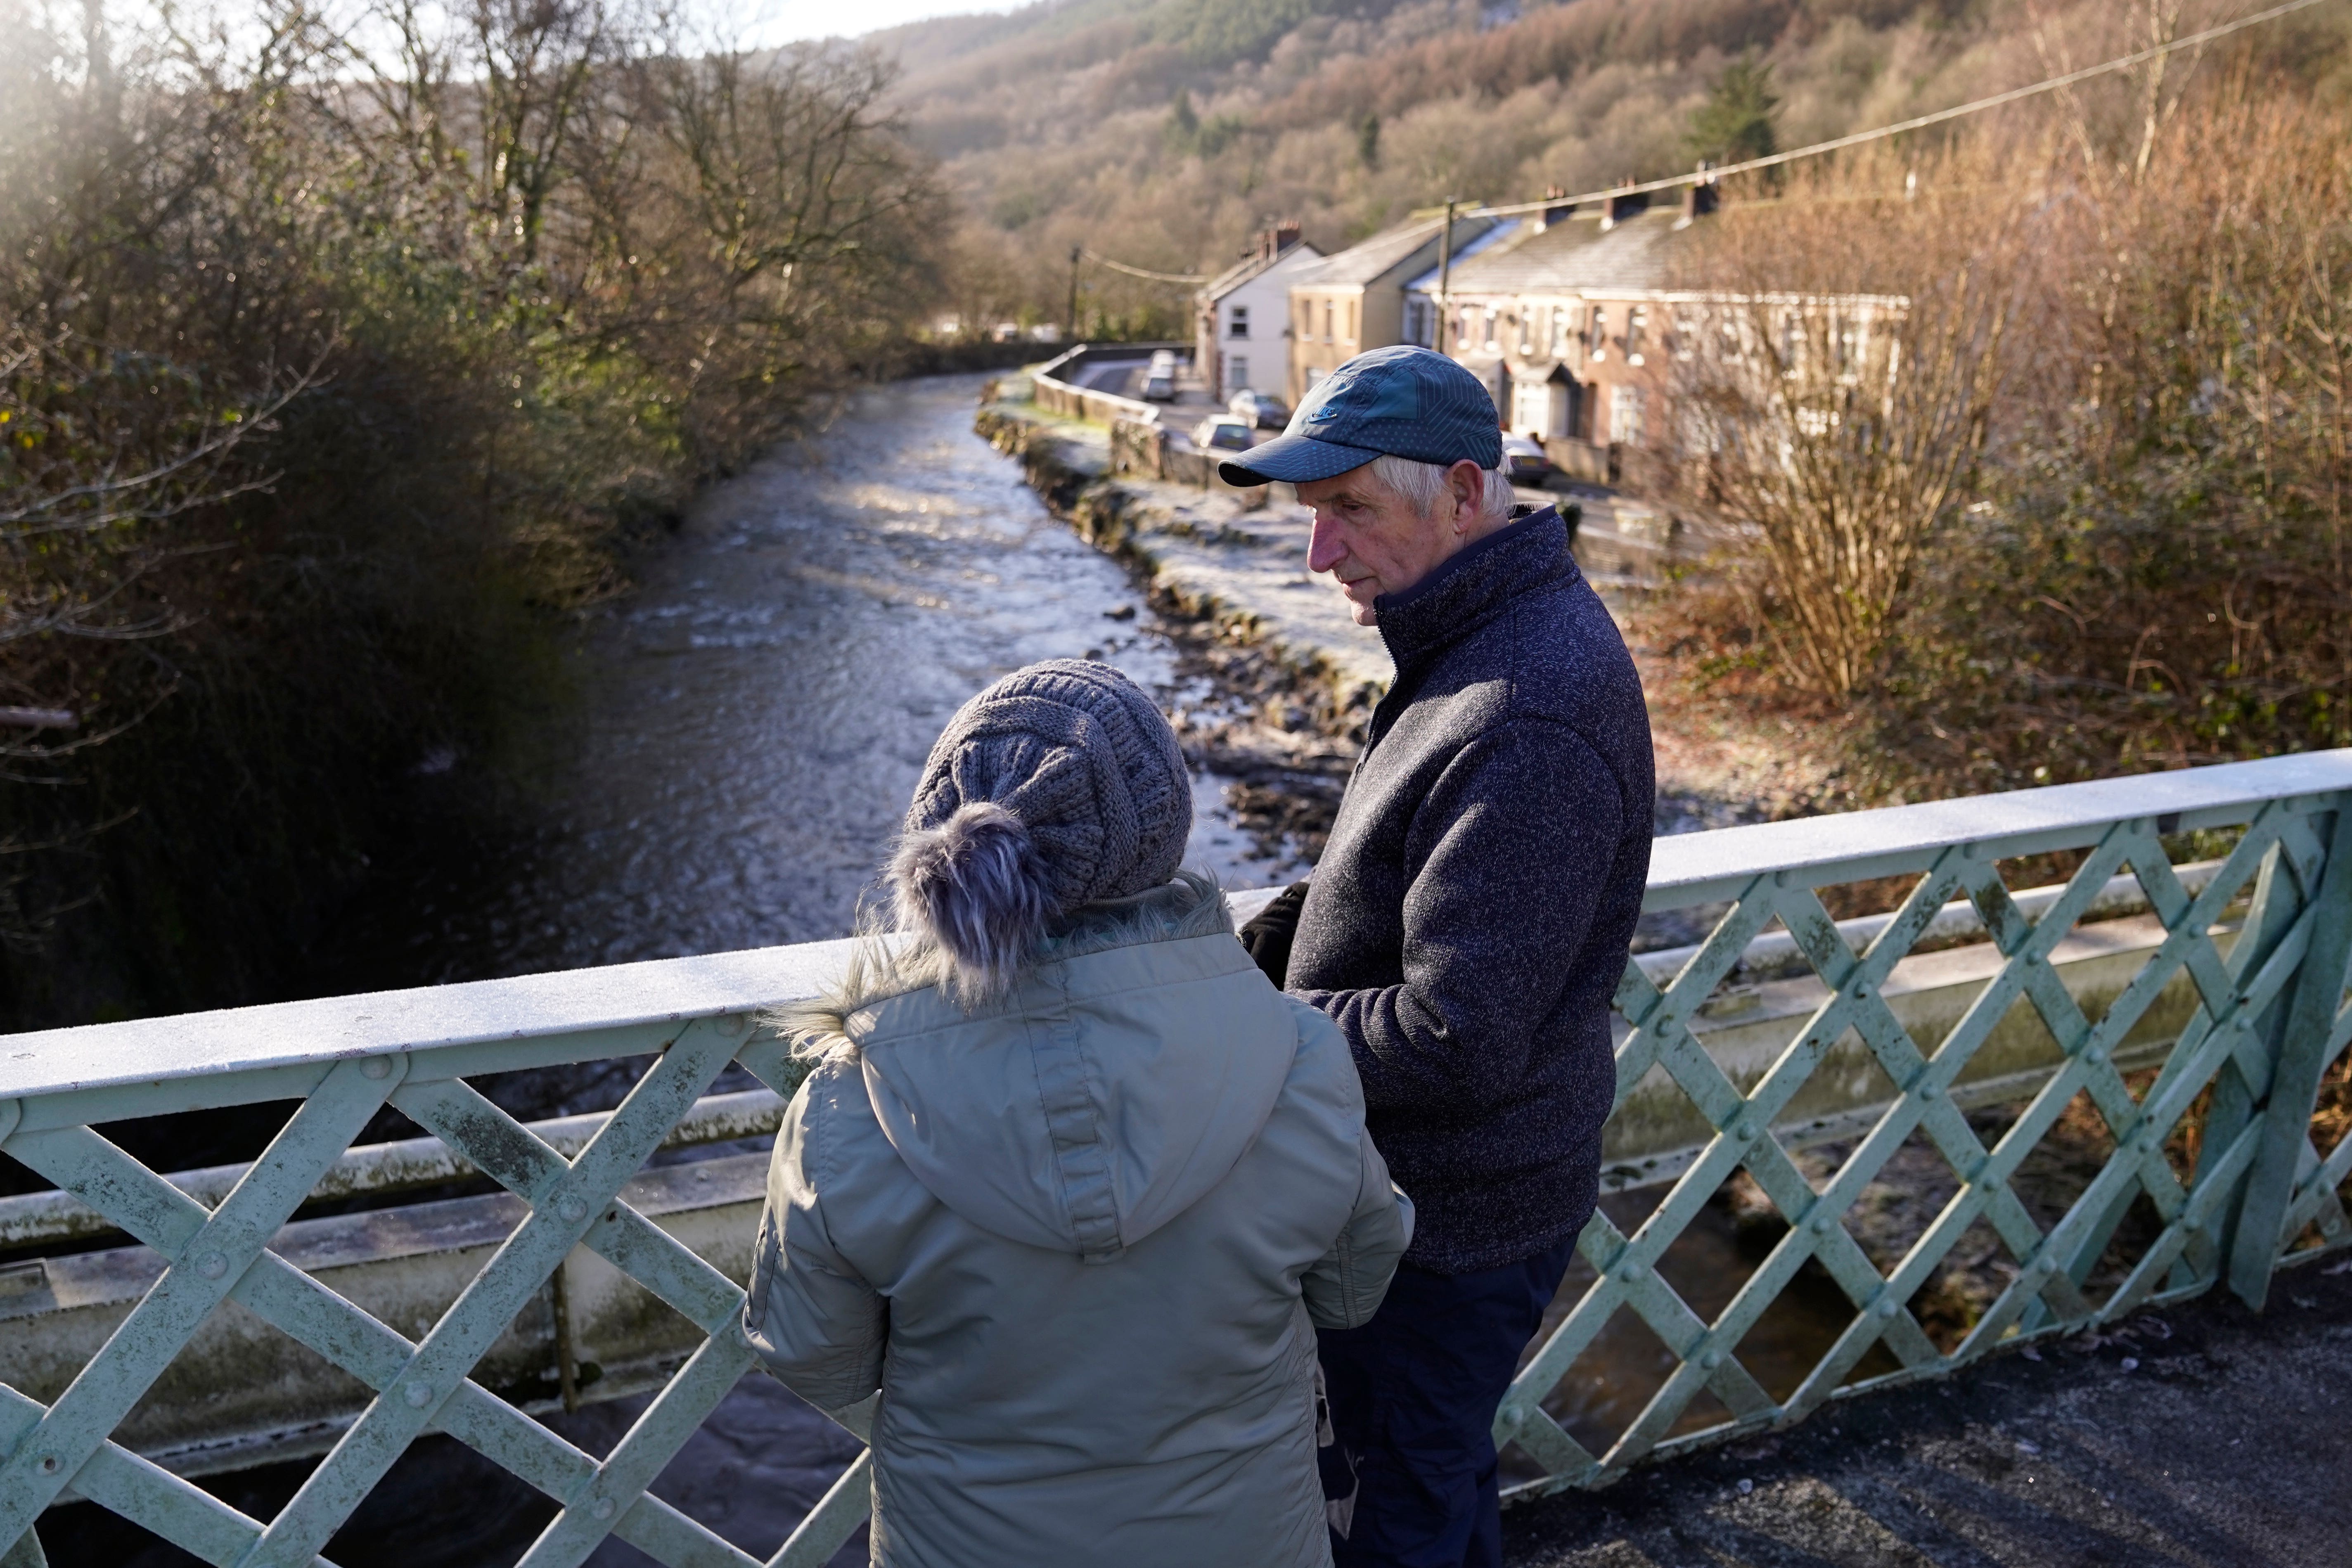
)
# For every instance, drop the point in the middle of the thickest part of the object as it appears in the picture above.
(1834, 389)
(2146, 563)
(2158, 573)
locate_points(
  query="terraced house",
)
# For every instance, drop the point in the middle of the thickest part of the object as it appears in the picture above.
(1573, 317)
(1587, 322)
(1355, 299)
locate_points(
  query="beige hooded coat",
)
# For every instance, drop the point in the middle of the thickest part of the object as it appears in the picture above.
(1079, 1240)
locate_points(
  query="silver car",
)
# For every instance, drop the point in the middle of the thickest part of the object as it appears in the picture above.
(1266, 413)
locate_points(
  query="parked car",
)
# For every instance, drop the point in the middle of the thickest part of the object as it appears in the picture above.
(1266, 413)
(1158, 384)
(1524, 462)
(1224, 433)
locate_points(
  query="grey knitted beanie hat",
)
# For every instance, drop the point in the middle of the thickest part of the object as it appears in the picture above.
(1059, 785)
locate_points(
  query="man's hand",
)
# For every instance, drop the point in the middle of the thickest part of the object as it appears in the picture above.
(1267, 937)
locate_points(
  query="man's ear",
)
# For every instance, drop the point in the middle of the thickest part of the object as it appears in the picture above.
(1466, 482)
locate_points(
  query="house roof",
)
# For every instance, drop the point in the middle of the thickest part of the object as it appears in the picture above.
(1576, 255)
(1385, 252)
(1503, 233)
(1255, 264)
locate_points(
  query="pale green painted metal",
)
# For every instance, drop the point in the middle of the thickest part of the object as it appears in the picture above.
(2272, 1022)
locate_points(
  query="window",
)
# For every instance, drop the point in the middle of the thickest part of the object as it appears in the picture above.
(1559, 332)
(1684, 330)
(1793, 341)
(1492, 316)
(1625, 415)
(1527, 326)
(1849, 345)
(1351, 321)
(1237, 322)
(1729, 339)
(1306, 319)
(1637, 328)
(1599, 325)
(1420, 317)
(1236, 373)
(1466, 330)
(1331, 314)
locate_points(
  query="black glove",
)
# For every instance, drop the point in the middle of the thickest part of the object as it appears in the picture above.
(1267, 937)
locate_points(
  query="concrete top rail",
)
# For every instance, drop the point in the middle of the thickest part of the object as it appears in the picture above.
(160, 1065)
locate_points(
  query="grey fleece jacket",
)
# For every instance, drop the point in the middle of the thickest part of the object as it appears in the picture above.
(1468, 922)
(1080, 1240)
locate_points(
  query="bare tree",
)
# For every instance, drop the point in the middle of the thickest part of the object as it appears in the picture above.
(1836, 395)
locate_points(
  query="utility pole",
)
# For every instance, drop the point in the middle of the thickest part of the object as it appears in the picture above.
(1445, 273)
(1076, 252)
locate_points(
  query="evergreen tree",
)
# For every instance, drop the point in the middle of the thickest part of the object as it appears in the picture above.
(1736, 123)
(1368, 141)
(1183, 128)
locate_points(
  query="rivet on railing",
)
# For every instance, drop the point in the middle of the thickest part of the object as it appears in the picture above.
(1784, 879)
(376, 1068)
(2096, 1054)
(1889, 1307)
(212, 1265)
(604, 1508)
(570, 1209)
(1967, 851)
(1860, 989)
(49, 1464)
(1745, 1131)
(1823, 1225)
(420, 1395)
(1514, 1418)
(1924, 1089)
(1630, 1272)
(1711, 1360)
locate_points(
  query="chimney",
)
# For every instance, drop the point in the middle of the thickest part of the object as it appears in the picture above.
(1623, 205)
(1552, 215)
(1286, 235)
(1700, 196)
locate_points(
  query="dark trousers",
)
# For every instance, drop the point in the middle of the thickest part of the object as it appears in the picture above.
(1412, 1396)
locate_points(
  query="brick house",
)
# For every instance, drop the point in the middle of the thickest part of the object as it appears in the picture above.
(1568, 320)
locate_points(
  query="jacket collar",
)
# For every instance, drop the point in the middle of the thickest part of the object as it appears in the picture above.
(1468, 587)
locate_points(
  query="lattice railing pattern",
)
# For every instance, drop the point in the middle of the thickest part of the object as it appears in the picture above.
(2269, 1020)
(2264, 946)
(421, 1386)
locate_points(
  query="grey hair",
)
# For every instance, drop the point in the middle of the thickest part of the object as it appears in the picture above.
(1424, 485)
(976, 888)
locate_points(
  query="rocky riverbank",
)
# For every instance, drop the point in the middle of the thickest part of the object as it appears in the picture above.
(1286, 677)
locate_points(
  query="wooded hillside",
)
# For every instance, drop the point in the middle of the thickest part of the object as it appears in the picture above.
(1164, 131)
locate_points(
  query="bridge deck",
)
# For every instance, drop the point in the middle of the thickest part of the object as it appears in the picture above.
(2217, 1448)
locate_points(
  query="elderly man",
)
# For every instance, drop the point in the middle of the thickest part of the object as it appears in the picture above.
(1466, 926)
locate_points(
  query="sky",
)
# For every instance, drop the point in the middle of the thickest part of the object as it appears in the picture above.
(767, 23)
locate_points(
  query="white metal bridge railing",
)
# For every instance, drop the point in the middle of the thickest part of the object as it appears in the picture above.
(2190, 1026)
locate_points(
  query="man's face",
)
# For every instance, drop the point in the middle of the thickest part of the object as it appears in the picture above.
(1374, 542)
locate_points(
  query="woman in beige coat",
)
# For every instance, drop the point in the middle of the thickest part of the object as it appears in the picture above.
(1070, 1183)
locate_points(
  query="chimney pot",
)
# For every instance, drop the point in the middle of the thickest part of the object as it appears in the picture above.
(1700, 196)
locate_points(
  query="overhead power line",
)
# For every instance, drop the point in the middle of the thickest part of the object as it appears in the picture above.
(1142, 272)
(2123, 62)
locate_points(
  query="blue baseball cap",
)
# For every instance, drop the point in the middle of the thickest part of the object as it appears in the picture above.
(1400, 402)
